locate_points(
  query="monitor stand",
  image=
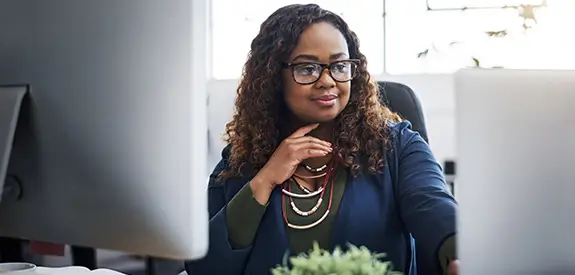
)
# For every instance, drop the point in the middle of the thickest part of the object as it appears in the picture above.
(11, 98)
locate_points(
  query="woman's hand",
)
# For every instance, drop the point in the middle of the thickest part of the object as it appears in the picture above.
(453, 268)
(284, 161)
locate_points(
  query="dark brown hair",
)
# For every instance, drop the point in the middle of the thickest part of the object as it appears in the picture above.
(361, 135)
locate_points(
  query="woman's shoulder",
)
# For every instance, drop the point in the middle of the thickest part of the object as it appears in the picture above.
(401, 136)
(229, 186)
(401, 131)
(397, 127)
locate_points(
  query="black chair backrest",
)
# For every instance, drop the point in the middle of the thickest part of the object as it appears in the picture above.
(401, 99)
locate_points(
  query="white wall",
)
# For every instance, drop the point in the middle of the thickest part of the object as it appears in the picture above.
(436, 93)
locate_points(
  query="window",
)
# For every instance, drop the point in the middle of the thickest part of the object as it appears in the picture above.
(234, 23)
(441, 36)
(459, 4)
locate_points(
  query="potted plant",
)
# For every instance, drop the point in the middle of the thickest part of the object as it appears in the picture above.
(354, 261)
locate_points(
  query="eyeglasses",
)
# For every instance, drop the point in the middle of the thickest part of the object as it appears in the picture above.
(305, 73)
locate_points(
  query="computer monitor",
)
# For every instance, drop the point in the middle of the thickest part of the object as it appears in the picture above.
(515, 133)
(110, 147)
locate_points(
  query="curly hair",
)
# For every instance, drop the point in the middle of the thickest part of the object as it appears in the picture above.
(361, 135)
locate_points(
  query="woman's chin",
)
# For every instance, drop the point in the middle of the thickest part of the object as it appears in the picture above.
(323, 119)
(318, 117)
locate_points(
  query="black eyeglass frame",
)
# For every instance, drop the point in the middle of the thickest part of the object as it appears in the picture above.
(323, 66)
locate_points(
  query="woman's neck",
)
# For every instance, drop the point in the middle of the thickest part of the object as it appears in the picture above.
(324, 131)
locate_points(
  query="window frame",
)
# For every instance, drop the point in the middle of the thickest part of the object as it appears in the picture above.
(385, 37)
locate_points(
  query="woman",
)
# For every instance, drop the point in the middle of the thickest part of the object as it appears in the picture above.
(314, 156)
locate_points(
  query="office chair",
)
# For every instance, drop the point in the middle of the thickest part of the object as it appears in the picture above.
(402, 100)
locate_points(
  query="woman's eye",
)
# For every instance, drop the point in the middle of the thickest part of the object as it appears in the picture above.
(339, 67)
(306, 70)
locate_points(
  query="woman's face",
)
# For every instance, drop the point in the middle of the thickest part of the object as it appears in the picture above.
(314, 93)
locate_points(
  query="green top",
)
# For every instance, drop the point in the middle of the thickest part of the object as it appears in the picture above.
(244, 214)
(242, 227)
(302, 240)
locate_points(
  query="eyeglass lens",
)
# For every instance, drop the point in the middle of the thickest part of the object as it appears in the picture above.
(310, 72)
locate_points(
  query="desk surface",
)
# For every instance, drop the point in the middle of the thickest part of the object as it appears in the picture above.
(74, 270)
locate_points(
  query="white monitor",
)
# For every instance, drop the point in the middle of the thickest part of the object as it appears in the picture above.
(515, 132)
(111, 145)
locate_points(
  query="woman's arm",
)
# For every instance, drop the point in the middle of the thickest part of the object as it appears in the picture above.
(447, 252)
(427, 207)
(243, 217)
(222, 258)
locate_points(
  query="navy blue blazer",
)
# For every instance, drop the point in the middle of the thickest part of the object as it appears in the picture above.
(405, 212)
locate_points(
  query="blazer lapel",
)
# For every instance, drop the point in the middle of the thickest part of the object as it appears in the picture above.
(359, 206)
(340, 236)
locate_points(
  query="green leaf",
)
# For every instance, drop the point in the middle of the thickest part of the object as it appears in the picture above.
(354, 261)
